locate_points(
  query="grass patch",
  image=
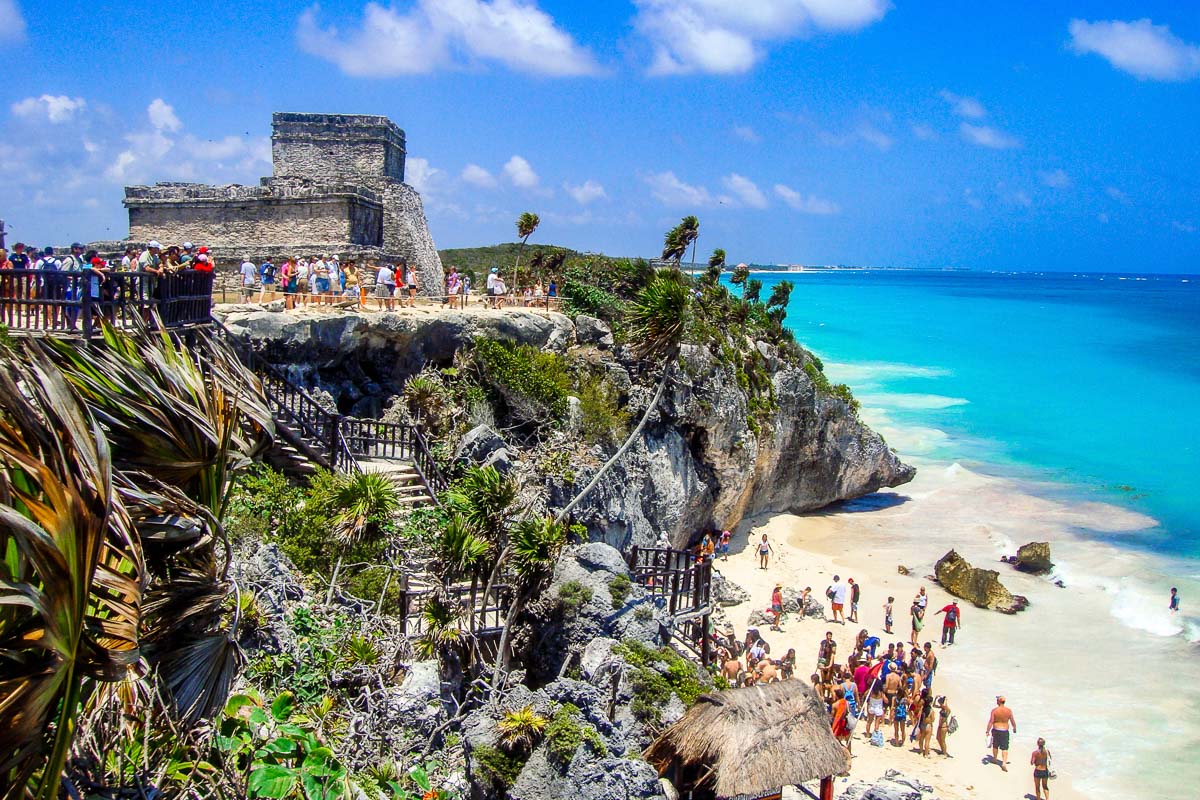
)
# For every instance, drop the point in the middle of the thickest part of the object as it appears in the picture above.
(497, 767)
(567, 731)
(657, 675)
(572, 595)
(619, 588)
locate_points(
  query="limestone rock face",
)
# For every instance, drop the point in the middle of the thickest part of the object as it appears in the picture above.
(727, 593)
(1034, 557)
(701, 461)
(699, 465)
(590, 330)
(980, 587)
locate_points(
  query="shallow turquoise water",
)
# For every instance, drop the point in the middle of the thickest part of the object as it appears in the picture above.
(1089, 381)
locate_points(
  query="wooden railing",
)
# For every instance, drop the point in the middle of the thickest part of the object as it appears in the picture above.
(683, 585)
(334, 441)
(40, 301)
(482, 616)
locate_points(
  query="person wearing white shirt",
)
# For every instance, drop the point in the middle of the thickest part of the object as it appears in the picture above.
(837, 597)
(249, 272)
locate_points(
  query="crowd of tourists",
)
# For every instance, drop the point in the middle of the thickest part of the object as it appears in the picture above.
(44, 288)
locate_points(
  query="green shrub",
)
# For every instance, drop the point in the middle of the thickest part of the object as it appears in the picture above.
(496, 766)
(572, 595)
(843, 393)
(567, 731)
(603, 420)
(532, 384)
(619, 587)
(657, 675)
(643, 613)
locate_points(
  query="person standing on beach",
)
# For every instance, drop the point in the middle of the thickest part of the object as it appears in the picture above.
(943, 725)
(1000, 726)
(826, 652)
(855, 593)
(1040, 760)
(1174, 605)
(837, 598)
(777, 606)
(764, 552)
(887, 615)
(952, 622)
(725, 537)
(918, 622)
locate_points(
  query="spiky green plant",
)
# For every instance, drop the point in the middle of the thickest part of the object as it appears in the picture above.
(659, 317)
(441, 632)
(520, 729)
(463, 550)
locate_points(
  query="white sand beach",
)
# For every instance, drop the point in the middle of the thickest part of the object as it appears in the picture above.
(1115, 704)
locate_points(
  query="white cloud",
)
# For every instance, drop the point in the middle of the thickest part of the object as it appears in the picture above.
(1183, 227)
(972, 199)
(420, 174)
(586, 192)
(437, 34)
(987, 136)
(745, 190)
(670, 191)
(719, 37)
(1141, 48)
(806, 205)
(872, 135)
(12, 24)
(162, 116)
(1021, 198)
(53, 108)
(1055, 179)
(967, 107)
(1117, 194)
(924, 133)
(478, 176)
(1102, 218)
(746, 134)
(520, 173)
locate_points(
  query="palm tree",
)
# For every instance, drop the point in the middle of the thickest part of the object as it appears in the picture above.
(534, 548)
(527, 223)
(777, 302)
(70, 601)
(716, 263)
(751, 291)
(360, 502)
(741, 273)
(115, 556)
(658, 318)
(679, 238)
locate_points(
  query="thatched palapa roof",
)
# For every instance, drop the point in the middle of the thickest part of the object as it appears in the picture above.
(754, 739)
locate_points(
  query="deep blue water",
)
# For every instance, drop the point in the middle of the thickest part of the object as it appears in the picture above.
(1089, 381)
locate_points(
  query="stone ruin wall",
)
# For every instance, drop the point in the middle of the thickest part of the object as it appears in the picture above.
(337, 188)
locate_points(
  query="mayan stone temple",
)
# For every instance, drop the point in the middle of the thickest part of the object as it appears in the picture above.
(338, 188)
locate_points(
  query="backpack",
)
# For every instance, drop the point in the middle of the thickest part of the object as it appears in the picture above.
(952, 725)
(952, 616)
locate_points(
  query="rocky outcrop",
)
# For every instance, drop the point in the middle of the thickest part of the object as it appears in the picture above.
(1034, 558)
(727, 593)
(892, 786)
(980, 587)
(704, 460)
(481, 446)
(699, 465)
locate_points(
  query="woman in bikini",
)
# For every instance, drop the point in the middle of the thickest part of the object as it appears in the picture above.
(1040, 760)
(924, 722)
(943, 726)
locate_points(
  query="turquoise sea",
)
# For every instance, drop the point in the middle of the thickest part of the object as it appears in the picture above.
(1089, 382)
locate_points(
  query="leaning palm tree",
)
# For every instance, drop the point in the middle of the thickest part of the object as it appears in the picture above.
(716, 263)
(527, 223)
(659, 318)
(680, 238)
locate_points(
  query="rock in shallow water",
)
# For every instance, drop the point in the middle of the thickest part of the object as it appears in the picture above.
(1035, 558)
(980, 587)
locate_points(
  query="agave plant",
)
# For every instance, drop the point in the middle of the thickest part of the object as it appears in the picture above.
(441, 632)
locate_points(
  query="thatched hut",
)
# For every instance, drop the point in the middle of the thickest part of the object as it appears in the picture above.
(750, 743)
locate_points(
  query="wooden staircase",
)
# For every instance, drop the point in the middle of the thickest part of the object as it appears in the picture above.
(308, 436)
(683, 586)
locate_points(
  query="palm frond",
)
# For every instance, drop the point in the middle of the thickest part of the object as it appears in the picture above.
(659, 317)
(71, 578)
(535, 546)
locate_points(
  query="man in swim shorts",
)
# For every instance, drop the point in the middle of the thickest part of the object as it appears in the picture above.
(1000, 725)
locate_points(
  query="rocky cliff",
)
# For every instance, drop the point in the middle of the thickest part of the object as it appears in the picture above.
(699, 462)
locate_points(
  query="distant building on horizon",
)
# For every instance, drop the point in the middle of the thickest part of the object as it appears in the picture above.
(338, 187)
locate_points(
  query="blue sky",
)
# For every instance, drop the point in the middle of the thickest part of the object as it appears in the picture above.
(994, 136)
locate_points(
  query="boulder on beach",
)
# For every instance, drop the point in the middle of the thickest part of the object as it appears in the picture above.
(980, 587)
(1035, 558)
(725, 592)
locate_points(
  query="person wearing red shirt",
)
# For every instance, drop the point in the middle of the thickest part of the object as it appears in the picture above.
(952, 622)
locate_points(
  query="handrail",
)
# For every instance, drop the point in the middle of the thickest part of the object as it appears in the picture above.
(343, 440)
(72, 302)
